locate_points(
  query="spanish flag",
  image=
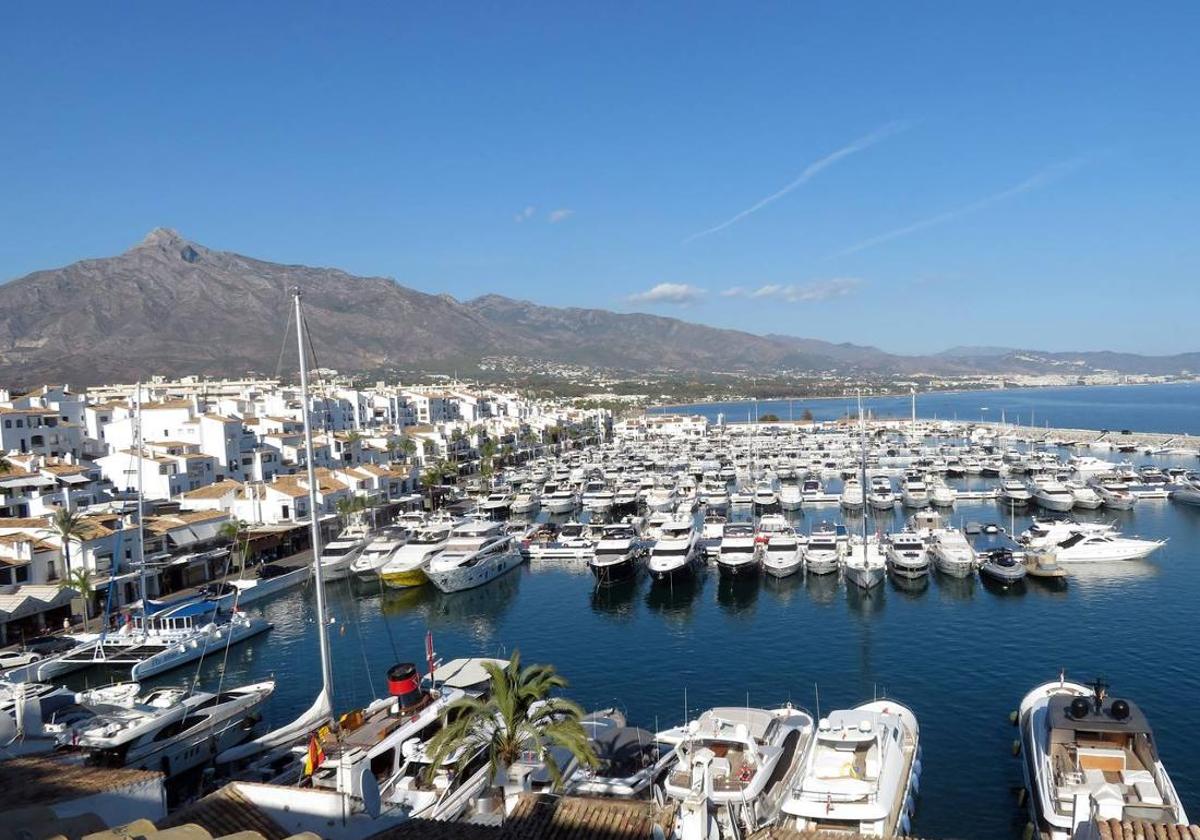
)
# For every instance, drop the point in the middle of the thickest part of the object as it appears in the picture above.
(315, 756)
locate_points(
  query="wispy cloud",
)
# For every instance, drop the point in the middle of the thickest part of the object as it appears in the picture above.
(1034, 182)
(816, 291)
(560, 215)
(678, 294)
(810, 171)
(525, 214)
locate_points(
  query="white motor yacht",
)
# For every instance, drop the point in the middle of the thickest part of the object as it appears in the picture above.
(631, 760)
(952, 552)
(1186, 489)
(824, 551)
(881, 495)
(738, 554)
(852, 497)
(1013, 493)
(674, 550)
(1114, 492)
(906, 555)
(914, 493)
(812, 491)
(1086, 497)
(527, 501)
(170, 730)
(338, 554)
(734, 768)
(661, 499)
(1075, 542)
(378, 552)
(1051, 494)
(765, 496)
(616, 554)
(476, 553)
(790, 497)
(597, 497)
(862, 774)
(784, 553)
(942, 494)
(741, 496)
(407, 566)
(497, 502)
(560, 501)
(1086, 757)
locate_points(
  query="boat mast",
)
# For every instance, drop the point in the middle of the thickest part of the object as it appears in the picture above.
(314, 523)
(141, 537)
(862, 445)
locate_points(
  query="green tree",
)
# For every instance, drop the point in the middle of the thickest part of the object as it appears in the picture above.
(769, 418)
(518, 715)
(80, 581)
(348, 507)
(430, 479)
(5, 466)
(486, 453)
(68, 526)
(407, 446)
(237, 533)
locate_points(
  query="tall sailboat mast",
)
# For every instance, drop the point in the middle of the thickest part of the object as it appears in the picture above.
(141, 535)
(862, 446)
(313, 509)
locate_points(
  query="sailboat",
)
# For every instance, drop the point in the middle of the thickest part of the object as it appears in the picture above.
(865, 563)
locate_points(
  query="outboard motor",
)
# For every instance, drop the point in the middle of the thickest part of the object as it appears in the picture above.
(404, 683)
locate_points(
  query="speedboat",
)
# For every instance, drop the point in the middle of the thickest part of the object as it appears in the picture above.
(560, 501)
(784, 555)
(952, 552)
(741, 496)
(852, 497)
(906, 555)
(865, 563)
(616, 554)
(738, 554)
(1087, 756)
(169, 730)
(735, 766)
(339, 553)
(476, 553)
(407, 566)
(661, 499)
(862, 774)
(675, 549)
(597, 497)
(379, 552)
(812, 491)
(1002, 565)
(824, 551)
(630, 759)
(1075, 542)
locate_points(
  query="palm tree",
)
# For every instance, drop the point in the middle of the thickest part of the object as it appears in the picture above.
(519, 715)
(67, 525)
(347, 507)
(407, 446)
(238, 534)
(80, 581)
(430, 479)
(486, 453)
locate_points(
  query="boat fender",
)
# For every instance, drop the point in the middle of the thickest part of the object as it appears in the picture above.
(1016, 747)
(1012, 717)
(905, 825)
(1022, 795)
(910, 807)
(1028, 832)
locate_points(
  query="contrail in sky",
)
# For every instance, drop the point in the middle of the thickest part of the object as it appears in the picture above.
(808, 174)
(1035, 181)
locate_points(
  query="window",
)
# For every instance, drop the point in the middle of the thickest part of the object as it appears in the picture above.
(20, 423)
(51, 570)
(8, 424)
(22, 574)
(285, 511)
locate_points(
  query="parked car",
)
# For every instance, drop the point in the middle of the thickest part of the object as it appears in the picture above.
(17, 658)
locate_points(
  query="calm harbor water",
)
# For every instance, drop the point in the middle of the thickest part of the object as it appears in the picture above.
(961, 653)
(1173, 408)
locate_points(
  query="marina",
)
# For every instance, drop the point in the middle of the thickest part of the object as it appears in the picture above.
(957, 645)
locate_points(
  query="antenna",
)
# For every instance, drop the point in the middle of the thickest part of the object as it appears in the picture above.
(817, 695)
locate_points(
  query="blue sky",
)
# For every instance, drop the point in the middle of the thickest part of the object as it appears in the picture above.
(908, 175)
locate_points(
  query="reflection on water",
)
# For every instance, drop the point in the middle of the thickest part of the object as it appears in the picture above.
(616, 599)
(785, 590)
(955, 588)
(865, 602)
(737, 594)
(1016, 589)
(822, 588)
(909, 587)
(675, 600)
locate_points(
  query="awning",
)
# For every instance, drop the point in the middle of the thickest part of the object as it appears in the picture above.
(74, 478)
(26, 481)
(207, 531)
(181, 537)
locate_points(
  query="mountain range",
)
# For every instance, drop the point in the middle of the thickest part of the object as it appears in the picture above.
(172, 307)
